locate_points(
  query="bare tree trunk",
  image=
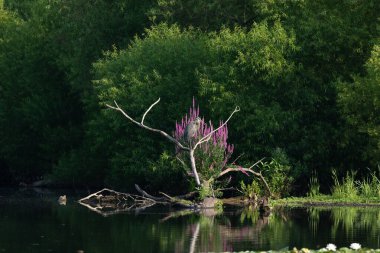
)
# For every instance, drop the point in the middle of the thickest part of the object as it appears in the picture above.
(193, 167)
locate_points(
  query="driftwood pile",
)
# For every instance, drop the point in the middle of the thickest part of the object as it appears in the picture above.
(108, 202)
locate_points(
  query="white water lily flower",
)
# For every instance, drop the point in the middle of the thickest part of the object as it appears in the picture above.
(331, 247)
(355, 246)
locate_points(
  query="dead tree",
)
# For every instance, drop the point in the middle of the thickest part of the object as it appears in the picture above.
(191, 148)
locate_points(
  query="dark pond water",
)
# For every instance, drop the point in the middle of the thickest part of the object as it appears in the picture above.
(33, 221)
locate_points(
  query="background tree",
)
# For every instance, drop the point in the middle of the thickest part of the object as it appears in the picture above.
(360, 104)
(163, 64)
(45, 78)
(293, 66)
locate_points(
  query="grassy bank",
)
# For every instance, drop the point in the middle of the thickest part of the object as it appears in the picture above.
(326, 200)
(347, 192)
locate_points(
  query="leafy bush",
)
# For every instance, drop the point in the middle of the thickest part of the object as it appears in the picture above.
(251, 191)
(166, 169)
(277, 173)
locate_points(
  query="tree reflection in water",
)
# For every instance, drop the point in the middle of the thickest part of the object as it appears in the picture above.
(35, 222)
(213, 231)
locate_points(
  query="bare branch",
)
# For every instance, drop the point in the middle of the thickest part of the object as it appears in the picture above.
(208, 136)
(180, 202)
(228, 170)
(107, 202)
(237, 158)
(117, 108)
(96, 194)
(182, 162)
(145, 194)
(256, 163)
(142, 120)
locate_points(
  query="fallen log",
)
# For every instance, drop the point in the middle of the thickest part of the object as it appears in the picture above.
(108, 202)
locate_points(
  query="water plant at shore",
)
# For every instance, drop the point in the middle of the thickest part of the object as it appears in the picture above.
(345, 189)
(349, 188)
(313, 185)
(354, 247)
(331, 247)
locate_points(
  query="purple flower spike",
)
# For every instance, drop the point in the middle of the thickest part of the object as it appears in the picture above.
(213, 155)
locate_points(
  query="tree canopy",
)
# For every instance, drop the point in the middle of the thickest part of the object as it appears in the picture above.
(304, 73)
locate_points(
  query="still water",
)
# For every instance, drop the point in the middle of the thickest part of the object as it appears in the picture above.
(33, 221)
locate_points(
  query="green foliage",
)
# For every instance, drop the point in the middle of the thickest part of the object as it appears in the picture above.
(247, 69)
(370, 187)
(313, 185)
(211, 14)
(167, 169)
(210, 188)
(346, 189)
(351, 189)
(205, 190)
(163, 64)
(36, 123)
(277, 174)
(210, 163)
(360, 104)
(297, 111)
(305, 74)
(251, 191)
(333, 45)
(45, 61)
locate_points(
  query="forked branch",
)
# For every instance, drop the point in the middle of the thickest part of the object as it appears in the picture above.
(141, 124)
(246, 170)
(170, 138)
(208, 136)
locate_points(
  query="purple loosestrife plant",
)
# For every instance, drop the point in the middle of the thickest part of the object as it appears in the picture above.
(212, 156)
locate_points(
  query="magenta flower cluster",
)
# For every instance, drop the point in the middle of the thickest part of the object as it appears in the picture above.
(218, 139)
